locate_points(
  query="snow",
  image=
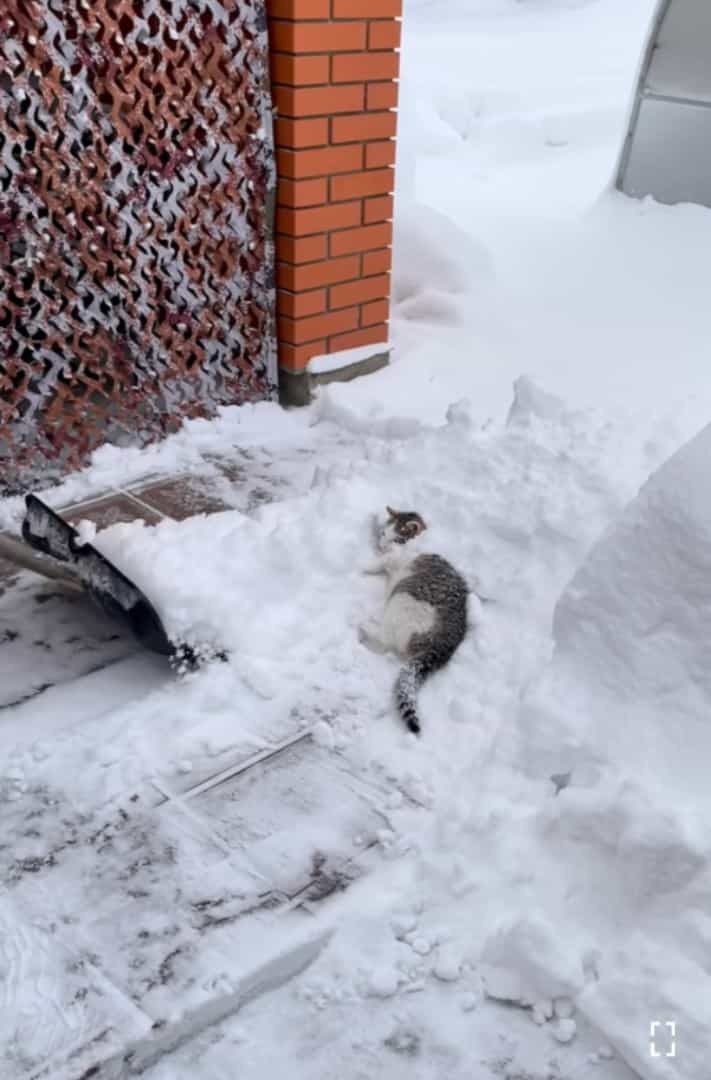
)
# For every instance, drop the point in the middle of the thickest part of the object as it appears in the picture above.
(321, 365)
(624, 706)
(533, 873)
(629, 634)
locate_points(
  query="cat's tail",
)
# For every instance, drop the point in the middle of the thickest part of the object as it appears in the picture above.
(407, 685)
(432, 652)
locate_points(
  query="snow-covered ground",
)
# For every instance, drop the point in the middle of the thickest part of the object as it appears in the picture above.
(551, 355)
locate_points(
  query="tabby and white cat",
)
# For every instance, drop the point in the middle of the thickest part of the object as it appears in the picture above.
(425, 616)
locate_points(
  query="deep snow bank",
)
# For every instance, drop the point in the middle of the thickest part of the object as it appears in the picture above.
(632, 640)
(439, 271)
(624, 708)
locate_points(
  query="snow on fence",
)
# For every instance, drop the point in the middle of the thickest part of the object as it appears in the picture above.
(136, 262)
(137, 179)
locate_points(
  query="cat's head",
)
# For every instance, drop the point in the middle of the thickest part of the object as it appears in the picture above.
(400, 527)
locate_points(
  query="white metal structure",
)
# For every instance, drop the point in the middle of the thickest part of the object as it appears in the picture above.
(667, 151)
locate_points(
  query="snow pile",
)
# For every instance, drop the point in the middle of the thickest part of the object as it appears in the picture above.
(631, 636)
(438, 270)
(620, 718)
(282, 588)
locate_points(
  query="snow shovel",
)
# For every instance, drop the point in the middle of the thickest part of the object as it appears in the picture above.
(64, 557)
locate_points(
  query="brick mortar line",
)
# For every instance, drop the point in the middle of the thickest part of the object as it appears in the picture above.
(329, 85)
(337, 19)
(327, 205)
(330, 144)
(329, 176)
(312, 291)
(289, 55)
(327, 337)
(336, 146)
(341, 52)
(362, 113)
(361, 275)
(342, 176)
(340, 86)
(364, 140)
(339, 116)
(329, 232)
(349, 142)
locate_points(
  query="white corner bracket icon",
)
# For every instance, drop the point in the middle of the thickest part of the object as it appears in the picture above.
(662, 1038)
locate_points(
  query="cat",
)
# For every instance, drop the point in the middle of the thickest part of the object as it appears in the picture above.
(425, 616)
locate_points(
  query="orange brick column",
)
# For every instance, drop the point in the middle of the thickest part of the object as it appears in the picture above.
(333, 68)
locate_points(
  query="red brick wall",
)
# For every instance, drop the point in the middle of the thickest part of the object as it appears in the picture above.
(333, 67)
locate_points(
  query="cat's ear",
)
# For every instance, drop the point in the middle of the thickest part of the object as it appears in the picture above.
(415, 527)
(392, 514)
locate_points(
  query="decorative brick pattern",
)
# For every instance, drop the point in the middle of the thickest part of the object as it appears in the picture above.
(334, 66)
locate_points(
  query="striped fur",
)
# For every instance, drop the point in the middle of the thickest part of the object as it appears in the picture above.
(432, 581)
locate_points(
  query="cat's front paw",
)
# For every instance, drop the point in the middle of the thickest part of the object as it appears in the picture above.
(368, 635)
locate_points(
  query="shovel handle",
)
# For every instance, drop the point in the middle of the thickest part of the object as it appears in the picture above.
(20, 554)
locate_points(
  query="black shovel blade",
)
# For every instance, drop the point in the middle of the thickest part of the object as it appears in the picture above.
(45, 531)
